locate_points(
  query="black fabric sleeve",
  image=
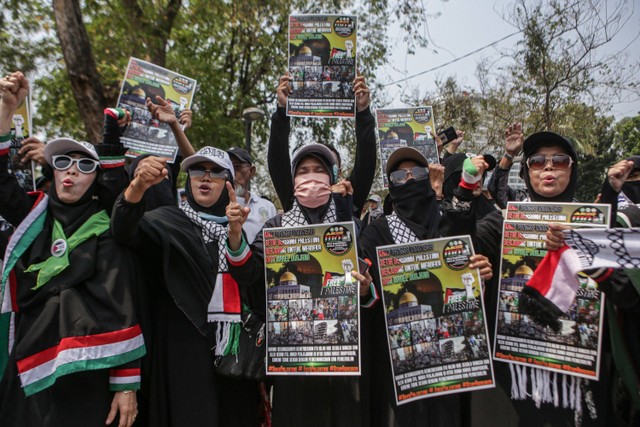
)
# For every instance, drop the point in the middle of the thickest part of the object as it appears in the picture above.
(364, 166)
(125, 223)
(498, 186)
(621, 292)
(278, 158)
(610, 196)
(15, 203)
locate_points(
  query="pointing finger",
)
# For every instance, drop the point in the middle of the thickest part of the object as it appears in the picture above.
(232, 193)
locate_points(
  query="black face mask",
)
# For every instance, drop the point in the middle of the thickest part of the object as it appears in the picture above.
(415, 203)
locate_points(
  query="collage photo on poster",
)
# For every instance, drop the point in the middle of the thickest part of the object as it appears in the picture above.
(574, 348)
(312, 300)
(406, 127)
(145, 80)
(435, 318)
(322, 65)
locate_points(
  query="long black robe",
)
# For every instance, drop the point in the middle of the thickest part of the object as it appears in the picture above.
(179, 384)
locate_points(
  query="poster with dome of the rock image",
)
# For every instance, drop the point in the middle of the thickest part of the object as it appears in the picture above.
(435, 318)
(145, 134)
(574, 349)
(313, 316)
(406, 127)
(322, 65)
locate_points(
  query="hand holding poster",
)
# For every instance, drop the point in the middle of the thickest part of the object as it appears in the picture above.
(322, 65)
(313, 319)
(435, 318)
(406, 127)
(145, 80)
(574, 348)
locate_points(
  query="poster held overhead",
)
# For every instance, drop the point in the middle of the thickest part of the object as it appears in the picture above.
(146, 135)
(406, 127)
(322, 65)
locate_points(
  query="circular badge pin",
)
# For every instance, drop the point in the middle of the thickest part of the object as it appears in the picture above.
(58, 248)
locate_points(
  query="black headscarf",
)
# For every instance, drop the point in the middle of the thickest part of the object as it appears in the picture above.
(632, 189)
(73, 215)
(567, 194)
(453, 175)
(219, 208)
(415, 203)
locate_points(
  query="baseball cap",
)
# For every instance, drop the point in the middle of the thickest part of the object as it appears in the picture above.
(546, 139)
(240, 154)
(67, 145)
(209, 154)
(404, 153)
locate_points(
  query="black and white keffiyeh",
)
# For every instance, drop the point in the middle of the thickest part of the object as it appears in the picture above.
(295, 216)
(399, 230)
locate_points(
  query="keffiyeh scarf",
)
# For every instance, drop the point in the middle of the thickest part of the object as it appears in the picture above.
(225, 306)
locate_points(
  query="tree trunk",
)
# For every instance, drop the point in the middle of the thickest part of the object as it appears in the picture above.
(85, 80)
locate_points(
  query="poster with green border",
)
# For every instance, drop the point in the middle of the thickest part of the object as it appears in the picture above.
(313, 309)
(575, 349)
(435, 318)
(142, 80)
(322, 64)
(406, 127)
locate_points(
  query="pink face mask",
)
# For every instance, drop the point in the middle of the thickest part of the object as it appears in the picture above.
(312, 189)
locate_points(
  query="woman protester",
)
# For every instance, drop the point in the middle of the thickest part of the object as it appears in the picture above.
(318, 199)
(417, 215)
(550, 171)
(364, 167)
(621, 189)
(76, 339)
(192, 303)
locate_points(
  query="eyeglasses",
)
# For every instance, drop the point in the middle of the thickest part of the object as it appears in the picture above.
(199, 172)
(401, 176)
(558, 161)
(84, 165)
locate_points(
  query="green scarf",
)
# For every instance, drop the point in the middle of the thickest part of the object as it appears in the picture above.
(97, 224)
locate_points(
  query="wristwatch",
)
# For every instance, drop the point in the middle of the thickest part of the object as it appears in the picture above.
(508, 157)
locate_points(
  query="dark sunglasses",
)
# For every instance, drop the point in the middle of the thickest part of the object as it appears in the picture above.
(558, 161)
(199, 172)
(401, 176)
(84, 165)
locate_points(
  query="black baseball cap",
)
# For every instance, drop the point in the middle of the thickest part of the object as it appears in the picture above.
(547, 139)
(240, 154)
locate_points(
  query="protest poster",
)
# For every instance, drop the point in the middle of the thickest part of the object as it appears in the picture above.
(575, 349)
(146, 135)
(435, 318)
(322, 65)
(406, 127)
(313, 317)
(21, 130)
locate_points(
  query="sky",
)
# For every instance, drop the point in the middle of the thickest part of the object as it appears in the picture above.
(462, 27)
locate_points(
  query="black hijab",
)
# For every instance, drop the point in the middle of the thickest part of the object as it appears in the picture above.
(219, 208)
(568, 193)
(73, 215)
